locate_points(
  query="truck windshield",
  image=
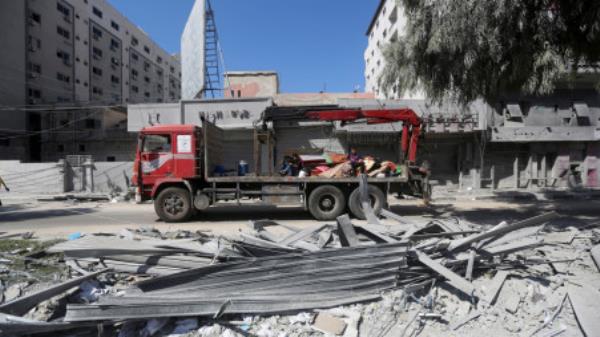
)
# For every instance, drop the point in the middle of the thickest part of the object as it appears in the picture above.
(157, 143)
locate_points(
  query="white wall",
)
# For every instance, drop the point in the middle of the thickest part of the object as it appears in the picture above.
(192, 53)
(389, 24)
(32, 178)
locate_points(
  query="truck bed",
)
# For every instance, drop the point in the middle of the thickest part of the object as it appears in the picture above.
(264, 179)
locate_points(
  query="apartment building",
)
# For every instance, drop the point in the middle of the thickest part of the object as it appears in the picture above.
(387, 24)
(74, 53)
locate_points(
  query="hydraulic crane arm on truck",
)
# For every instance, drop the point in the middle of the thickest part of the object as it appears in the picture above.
(175, 163)
(411, 127)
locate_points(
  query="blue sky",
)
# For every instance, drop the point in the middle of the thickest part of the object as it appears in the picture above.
(313, 44)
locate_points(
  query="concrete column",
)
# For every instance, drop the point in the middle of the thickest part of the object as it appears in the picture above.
(87, 176)
(516, 172)
(544, 172)
(475, 179)
(62, 166)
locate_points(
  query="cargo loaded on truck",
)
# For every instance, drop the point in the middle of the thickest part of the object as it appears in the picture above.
(179, 167)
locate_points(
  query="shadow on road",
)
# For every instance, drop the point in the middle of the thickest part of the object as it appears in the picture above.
(575, 213)
(6, 217)
(254, 212)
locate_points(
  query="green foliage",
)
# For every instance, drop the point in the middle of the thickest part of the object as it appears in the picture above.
(470, 49)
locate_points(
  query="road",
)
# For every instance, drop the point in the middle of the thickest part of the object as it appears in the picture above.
(59, 219)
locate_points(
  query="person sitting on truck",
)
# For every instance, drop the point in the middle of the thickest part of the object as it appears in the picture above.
(287, 166)
(356, 161)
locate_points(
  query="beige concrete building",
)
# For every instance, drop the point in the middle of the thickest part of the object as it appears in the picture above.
(251, 84)
(74, 53)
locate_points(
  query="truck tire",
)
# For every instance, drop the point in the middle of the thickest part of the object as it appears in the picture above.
(173, 204)
(326, 202)
(377, 197)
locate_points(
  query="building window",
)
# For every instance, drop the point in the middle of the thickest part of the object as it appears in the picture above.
(34, 93)
(114, 44)
(114, 79)
(34, 69)
(81, 148)
(33, 43)
(60, 148)
(111, 159)
(63, 78)
(147, 49)
(134, 74)
(90, 123)
(147, 79)
(63, 9)
(115, 61)
(97, 12)
(64, 56)
(35, 18)
(63, 32)
(147, 94)
(97, 71)
(97, 91)
(134, 41)
(135, 89)
(146, 66)
(134, 57)
(97, 53)
(159, 60)
(114, 25)
(97, 33)
(159, 72)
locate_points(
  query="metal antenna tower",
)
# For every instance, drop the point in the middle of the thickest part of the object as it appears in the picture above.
(213, 83)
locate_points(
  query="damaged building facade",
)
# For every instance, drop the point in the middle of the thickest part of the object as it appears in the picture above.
(518, 142)
(530, 144)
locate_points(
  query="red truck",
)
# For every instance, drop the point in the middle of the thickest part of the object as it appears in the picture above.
(174, 167)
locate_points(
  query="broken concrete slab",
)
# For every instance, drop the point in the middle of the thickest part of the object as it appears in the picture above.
(462, 243)
(465, 320)
(22, 305)
(329, 324)
(295, 237)
(493, 289)
(585, 301)
(452, 278)
(346, 232)
(560, 237)
(595, 251)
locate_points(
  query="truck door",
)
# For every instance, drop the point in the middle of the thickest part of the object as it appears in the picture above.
(156, 157)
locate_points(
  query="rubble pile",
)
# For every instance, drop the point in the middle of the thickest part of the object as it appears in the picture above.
(386, 277)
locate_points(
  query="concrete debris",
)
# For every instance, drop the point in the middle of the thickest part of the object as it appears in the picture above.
(596, 255)
(584, 301)
(22, 305)
(330, 324)
(386, 277)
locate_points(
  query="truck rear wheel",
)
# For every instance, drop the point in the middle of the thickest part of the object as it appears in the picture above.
(173, 205)
(326, 202)
(376, 196)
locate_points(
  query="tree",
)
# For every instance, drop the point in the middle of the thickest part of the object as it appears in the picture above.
(470, 49)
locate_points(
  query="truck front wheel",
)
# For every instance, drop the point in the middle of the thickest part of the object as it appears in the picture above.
(326, 202)
(173, 204)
